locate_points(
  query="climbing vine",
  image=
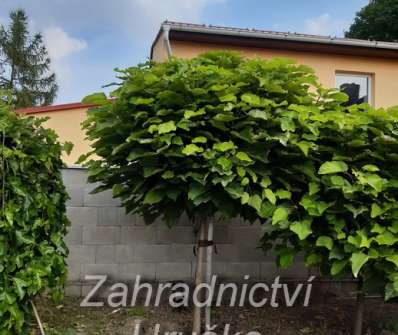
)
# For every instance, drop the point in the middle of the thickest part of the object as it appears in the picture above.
(32, 216)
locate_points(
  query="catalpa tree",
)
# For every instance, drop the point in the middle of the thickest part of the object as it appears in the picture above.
(259, 139)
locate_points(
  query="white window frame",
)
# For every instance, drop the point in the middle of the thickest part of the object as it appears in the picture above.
(368, 76)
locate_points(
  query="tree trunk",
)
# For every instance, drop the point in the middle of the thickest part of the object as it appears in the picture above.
(197, 312)
(360, 306)
(209, 272)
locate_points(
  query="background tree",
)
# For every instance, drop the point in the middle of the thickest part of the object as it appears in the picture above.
(25, 65)
(376, 21)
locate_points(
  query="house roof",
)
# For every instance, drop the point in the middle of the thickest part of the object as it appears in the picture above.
(274, 39)
(53, 108)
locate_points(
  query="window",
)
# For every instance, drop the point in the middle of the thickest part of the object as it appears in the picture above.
(356, 86)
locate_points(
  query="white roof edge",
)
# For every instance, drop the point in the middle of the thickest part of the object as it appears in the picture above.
(280, 36)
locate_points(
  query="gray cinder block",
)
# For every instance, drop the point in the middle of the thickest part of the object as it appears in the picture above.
(153, 253)
(74, 176)
(102, 199)
(132, 235)
(76, 195)
(74, 272)
(74, 236)
(173, 271)
(129, 272)
(108, 216)
(82, 216)
(101, 235)
(81, 254)
(110, 270)
(245, 235)
(182, 235)
(124, 254)
(105, 254)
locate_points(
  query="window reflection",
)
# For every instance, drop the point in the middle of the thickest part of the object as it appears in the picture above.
(357, 87)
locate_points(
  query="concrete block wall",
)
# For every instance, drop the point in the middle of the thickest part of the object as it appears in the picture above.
(103, 240)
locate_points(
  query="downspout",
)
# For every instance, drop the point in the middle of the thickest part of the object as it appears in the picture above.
(166, 30)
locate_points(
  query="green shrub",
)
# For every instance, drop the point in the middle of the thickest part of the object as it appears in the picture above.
(32, 216)
(343, 212)
(258, 139)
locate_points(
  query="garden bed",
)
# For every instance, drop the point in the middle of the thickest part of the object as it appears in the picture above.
(332, 317)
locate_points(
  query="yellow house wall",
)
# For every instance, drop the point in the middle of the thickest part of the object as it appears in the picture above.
(383, 70)
(66, 124)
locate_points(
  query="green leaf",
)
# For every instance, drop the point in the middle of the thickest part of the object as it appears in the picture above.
(302, 228)
(23, 237)
(20, 286)
(141, 101)
(95, 99)
(68, 146)
(313, 259)
(251, 99)
(200, 139)
(305, 146)
(333, 167)
(370, 168)
(386, 238)
(153, 197)
(269, 194)
(390, 291)
(338, 266)
(376, 211)
(313, 188)
(242, 156)
(258, 114)
(192, 149)
(288, 125)
(225, 163)
(393, 259)
(358, 260)
(228, 98)
(324, 241)
(283, 194)
(166, 127)
(224, 146)
(280, 214)
(375, 181)
(188, 114)
(255, 202)
(117, 189)
(286, 258)
(168, 174)
(265, 182)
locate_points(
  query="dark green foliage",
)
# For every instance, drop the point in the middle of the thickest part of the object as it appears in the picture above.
(32, 216)
(260, 139)
(376, 21)
(24, 64)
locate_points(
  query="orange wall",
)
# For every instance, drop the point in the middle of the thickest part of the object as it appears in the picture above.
(66, 123)
(383, 70)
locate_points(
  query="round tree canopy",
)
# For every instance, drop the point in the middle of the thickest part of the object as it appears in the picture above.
(260, 139)
(196, 135)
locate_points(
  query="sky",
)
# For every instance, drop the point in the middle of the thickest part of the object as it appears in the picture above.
(88, 39)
